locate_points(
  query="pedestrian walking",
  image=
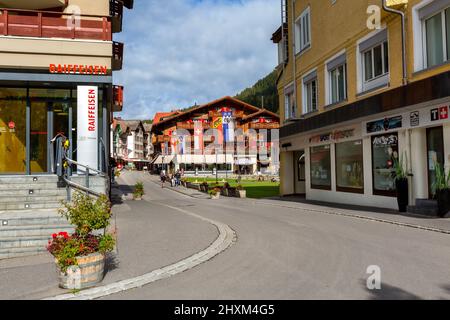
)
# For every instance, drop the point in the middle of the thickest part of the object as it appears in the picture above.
(163, 178)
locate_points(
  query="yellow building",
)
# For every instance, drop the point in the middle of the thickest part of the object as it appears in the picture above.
(363, 84)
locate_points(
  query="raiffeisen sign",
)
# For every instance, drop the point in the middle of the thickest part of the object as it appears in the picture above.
(87, 128)
(78, 69)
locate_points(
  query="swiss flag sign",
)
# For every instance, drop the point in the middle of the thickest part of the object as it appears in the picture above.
(443, 113)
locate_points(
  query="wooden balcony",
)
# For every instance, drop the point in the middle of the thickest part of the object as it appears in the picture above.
(118, 98)
(162, 139)
(46, 24)
(236, 114)
(190, 126)
(260, 126)
(34, 4)
(116, 13)
(117, 59)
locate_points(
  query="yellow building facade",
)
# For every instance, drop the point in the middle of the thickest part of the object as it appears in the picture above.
(354, 102)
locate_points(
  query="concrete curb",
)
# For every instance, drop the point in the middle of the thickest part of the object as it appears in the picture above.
(357, 216)
(227, 237)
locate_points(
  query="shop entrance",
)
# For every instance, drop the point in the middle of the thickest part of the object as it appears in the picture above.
(300, 172)
(435, 154)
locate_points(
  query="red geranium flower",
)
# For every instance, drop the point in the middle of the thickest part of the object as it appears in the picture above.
(54, 236)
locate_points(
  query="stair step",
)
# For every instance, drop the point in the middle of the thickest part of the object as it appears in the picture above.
(426, 203)
(425, 211)
(28, 179)
(27, 186)
(34, 230)
(33, 192)
(8, 253)
(31, 205)
(22, 242)
(31, 199)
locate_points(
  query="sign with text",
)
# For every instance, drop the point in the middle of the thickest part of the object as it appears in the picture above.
(87, 128)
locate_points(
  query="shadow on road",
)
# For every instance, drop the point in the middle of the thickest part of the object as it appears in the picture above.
(388, 292)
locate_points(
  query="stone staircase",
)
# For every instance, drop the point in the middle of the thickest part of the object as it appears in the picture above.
(29, 212)
(425, 207)
(26, 232)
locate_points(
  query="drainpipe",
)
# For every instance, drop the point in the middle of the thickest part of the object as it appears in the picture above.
(294, 63)
(403, 17)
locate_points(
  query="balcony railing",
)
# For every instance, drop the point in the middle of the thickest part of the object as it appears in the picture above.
(264, 126)
(117, 61)
(116, 13)
(46, 24)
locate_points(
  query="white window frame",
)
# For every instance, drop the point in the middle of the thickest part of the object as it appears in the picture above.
(301, 43)
(344, 65)
(364, 86)
(289, 111)
(444, 37)
(383, 62)
(305, 101)
(420, 49)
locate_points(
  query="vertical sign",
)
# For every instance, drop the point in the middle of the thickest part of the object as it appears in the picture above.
(87, 128)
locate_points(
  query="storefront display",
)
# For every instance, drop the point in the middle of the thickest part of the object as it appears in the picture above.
(349, 167)
(321, 167)
(384, 152)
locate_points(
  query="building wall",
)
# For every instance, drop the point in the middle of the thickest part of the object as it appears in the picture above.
(337, 28)
(17, 52)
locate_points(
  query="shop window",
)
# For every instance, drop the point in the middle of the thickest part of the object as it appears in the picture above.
(349, 167)
(321, 167)
(384, 152)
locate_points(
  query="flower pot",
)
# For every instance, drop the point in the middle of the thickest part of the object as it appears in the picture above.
(88, 273)
(242, 193)
(443, 199)
(216, 196)
(402, 194)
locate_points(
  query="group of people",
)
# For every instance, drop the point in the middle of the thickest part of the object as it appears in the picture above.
(174, 179)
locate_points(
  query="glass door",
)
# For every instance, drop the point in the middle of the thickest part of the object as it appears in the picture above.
(39, 137)
(435, 147)
(13, 106)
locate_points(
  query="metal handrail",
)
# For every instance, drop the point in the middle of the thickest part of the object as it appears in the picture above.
(82, 188)
(70, 161)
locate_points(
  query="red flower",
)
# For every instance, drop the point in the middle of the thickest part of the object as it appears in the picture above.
(54, 236)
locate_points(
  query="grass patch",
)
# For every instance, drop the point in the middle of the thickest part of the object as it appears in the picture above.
(255, 189)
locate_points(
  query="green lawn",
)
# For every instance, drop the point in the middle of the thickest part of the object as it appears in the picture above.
(255, 189)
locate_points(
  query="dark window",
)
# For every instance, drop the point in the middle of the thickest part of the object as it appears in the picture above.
(321, 167)
(384, 152)
(349, 167)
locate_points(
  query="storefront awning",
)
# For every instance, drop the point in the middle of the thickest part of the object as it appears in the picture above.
(163, 160)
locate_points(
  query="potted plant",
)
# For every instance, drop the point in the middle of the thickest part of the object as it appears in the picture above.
(138, 191)
(80, 258)
(241, 191)
(441, 190)
(214, 193)
(401, 184)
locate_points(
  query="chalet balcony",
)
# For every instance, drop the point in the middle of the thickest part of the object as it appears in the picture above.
(162, 139)
(190, 126)
(117, 59)
(260, 126)
(236, 114)
(46, 24)
(34, 4)
(118, 98)
(116, 13)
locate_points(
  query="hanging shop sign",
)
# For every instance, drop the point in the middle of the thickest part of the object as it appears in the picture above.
(78, 69)
(87, 133)
(332, 136)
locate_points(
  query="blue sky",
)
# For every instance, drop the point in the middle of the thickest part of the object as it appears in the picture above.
(182, 52)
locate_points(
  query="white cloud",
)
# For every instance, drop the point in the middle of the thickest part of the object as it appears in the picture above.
(178, 52)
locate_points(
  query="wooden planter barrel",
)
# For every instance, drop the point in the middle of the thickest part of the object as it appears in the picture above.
(88, 273)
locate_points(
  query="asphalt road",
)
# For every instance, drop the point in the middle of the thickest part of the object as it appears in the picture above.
(284, 253)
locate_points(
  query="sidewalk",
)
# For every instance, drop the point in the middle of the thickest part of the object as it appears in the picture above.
(371, 213)
(150, 236)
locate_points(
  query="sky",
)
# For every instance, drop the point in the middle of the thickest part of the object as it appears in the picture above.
(184, 52)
